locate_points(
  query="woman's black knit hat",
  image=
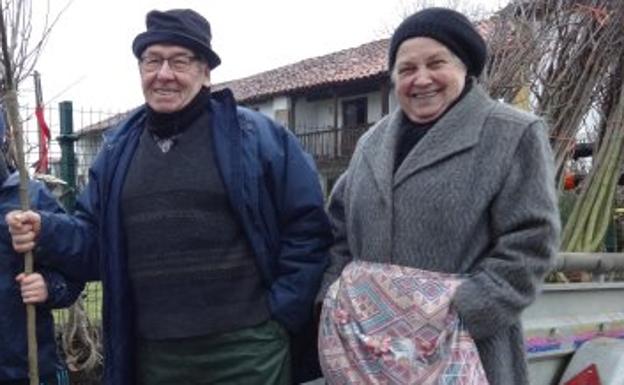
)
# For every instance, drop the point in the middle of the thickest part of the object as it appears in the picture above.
(450, 28)
(183, 27)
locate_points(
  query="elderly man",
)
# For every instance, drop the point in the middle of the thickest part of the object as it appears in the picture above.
(206, 222)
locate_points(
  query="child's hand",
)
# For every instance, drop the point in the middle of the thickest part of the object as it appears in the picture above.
(24, 227)
(33, 287)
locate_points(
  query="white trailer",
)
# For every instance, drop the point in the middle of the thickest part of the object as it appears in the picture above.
(565, 316)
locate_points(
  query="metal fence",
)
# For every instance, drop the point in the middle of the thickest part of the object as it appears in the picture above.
(82, 120)
(331, 144)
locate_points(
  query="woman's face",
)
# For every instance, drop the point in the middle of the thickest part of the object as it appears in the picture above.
(428, 78)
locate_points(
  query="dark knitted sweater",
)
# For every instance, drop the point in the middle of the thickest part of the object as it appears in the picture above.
(191, 267)
(411, 134)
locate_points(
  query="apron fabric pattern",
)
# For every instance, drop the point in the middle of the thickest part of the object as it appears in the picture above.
(385, 324)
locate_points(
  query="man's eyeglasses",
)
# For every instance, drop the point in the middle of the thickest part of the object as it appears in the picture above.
(177, 63)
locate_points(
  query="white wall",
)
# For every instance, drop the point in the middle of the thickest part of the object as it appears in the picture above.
(86, 148)
(392, 101)
(374, 107)
(265, 107)
(319, 114)
(311, 116)
(281, 103)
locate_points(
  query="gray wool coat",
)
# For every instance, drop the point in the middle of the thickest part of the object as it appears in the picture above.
(475, 196)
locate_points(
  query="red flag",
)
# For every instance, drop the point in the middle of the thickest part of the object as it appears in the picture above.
(44, 139)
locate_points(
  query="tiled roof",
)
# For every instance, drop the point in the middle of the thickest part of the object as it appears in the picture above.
(366, 61)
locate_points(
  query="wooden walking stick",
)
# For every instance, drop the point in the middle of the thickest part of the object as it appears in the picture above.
(17, 148)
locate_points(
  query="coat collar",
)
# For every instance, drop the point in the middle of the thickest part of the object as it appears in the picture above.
(458, 130)
(379, 150)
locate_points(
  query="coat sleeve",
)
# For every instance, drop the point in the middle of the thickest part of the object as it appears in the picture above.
(304, 233)
(69, 242)
(62, 292)
(525, 228)
(339, 253)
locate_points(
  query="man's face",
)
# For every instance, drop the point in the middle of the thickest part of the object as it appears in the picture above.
(171, 76)
(428, 78)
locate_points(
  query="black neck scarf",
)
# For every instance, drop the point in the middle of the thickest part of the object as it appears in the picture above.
(166, 125)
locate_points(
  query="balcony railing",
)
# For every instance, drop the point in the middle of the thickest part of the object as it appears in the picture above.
(332, 143)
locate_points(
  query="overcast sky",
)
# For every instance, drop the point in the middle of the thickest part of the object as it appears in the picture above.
(88, 58)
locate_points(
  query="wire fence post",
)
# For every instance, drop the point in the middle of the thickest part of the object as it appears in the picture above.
(68, 157)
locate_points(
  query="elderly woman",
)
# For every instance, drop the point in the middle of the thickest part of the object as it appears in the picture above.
(448, 208)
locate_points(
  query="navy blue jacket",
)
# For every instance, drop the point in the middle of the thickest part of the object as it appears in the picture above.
(61, 293)
(272, 186)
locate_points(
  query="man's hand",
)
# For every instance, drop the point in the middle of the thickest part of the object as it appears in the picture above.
(33, 287)
(24, 227)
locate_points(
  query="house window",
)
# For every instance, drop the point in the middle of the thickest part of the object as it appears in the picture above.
(354, 112)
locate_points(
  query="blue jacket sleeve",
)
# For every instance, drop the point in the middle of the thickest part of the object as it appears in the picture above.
(304, 233)
(62, 292)
(68, 242)
(42, 198)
